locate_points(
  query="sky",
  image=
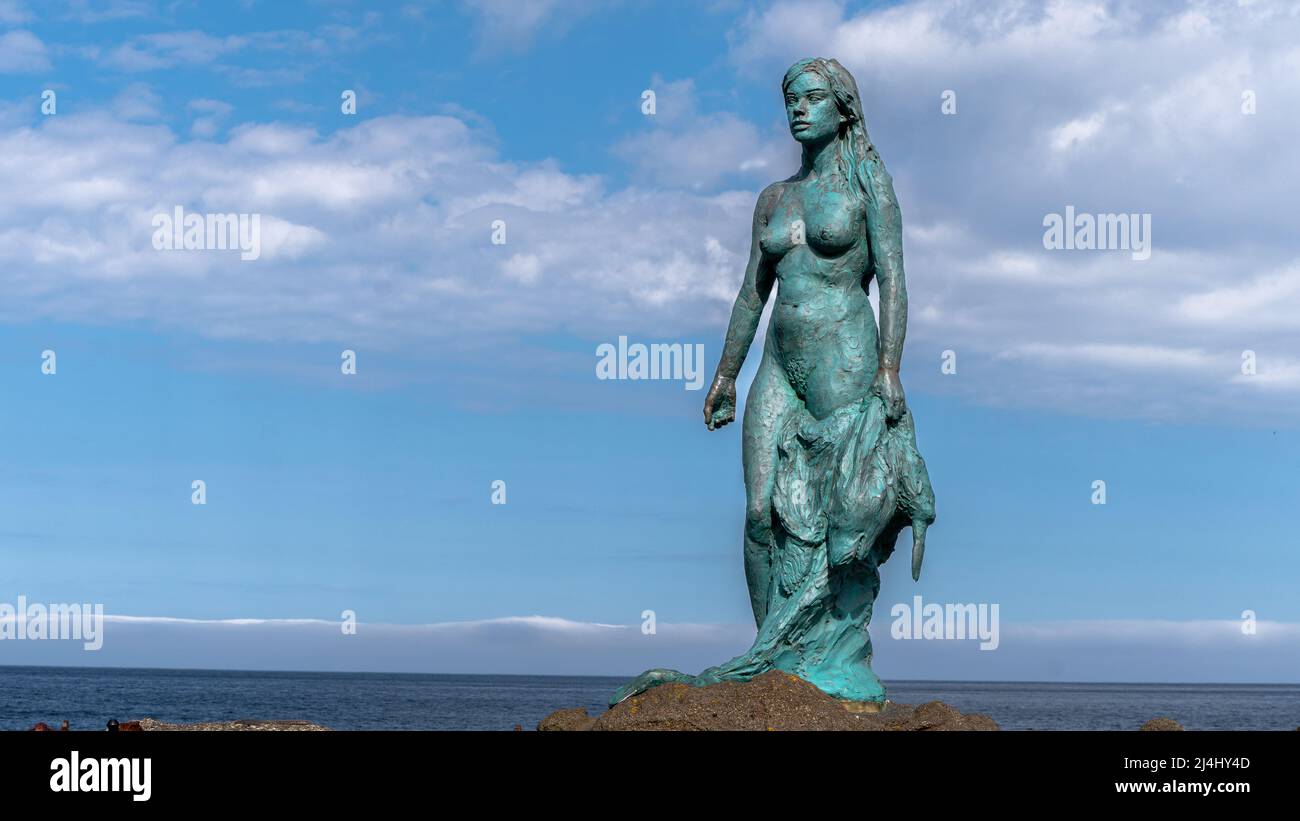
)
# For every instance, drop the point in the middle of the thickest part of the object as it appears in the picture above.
(1173, 379)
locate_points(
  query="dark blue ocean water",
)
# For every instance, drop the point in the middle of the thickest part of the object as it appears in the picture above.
(88, 697)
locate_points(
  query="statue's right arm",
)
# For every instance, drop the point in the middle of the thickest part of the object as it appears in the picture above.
(760, 276)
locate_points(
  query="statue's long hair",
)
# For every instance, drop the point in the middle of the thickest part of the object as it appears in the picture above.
(859, 163)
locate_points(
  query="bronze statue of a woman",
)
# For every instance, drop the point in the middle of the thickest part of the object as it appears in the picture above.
(832, 473)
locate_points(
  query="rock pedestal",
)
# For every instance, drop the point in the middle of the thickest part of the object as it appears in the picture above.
(772, 701)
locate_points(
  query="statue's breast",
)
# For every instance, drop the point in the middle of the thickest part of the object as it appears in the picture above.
(828, 221)
(784, 229)
(833, 220)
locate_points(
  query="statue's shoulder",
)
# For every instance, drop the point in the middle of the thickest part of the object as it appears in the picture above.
(775, 189)
(767, 198)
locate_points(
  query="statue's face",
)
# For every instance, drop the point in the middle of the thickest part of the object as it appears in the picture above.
(811, 109)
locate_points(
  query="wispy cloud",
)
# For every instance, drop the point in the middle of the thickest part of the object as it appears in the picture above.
(22, 52)
(506, 26)
(169, 49)
(13, 12)
(682, 147)
(1087, 650)
(104, 11)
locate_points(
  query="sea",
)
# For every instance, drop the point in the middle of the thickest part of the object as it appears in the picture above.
(89, 697)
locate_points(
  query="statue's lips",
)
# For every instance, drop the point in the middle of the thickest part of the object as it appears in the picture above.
(798, 125)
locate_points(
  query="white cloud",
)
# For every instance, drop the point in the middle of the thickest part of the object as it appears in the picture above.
(154, 51)
(683, 148)
(1077, 131)
(210, 114)
(506, 25)
(1129, 357)
(394, 212)
(168, 49)
(101, 11)
(1267, 300)
(1086, 650)
(13, 12)
(22, 52)
(525, 268)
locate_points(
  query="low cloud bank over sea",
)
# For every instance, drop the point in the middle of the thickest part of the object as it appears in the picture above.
(1093, 650)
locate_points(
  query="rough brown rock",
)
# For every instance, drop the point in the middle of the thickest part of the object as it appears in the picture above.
(242, 724)
(575, 719)
(1161, 724)
(934, 715)
(772, 701)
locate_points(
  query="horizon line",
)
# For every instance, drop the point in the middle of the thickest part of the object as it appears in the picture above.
(627, 676)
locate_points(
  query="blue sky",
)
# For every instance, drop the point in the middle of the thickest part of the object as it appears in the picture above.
(476, 361)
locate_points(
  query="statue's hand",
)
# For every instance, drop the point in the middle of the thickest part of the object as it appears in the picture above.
(720, 404)
(890, 390)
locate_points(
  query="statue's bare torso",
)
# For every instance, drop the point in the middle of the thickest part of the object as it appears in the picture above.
(823, 333)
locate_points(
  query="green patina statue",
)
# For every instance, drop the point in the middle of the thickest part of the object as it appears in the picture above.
(832, 473)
